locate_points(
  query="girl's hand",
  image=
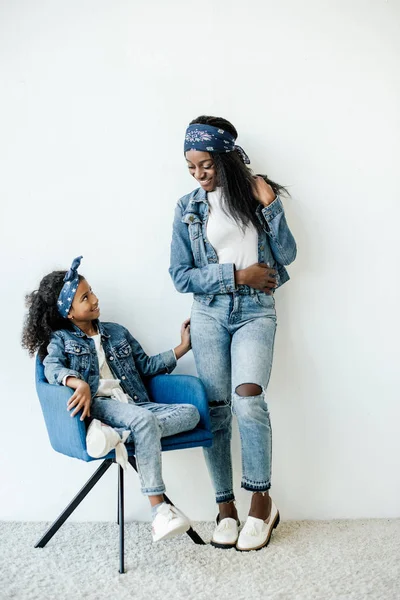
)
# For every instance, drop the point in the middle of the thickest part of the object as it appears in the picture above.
(80, 399)
(262, 191)
(185, 334)
(185, 344)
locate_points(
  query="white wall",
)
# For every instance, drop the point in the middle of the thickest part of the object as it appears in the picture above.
(95, 97)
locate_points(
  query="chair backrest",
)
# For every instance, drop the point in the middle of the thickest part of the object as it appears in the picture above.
(66, 435)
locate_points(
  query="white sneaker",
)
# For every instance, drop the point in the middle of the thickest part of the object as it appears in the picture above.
(101, 439)
(226, 533)
(256, 533)
(168, 522)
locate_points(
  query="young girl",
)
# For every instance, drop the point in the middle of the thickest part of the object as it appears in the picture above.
(229, 247)
(105, 365)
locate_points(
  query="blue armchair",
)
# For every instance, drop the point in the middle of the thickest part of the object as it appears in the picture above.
(68, 436)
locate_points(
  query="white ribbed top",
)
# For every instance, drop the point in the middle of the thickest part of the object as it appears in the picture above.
(231, 244)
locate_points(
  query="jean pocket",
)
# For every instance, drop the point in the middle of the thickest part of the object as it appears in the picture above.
(264, 300)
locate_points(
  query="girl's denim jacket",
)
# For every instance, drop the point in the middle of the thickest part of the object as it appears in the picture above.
(194, 263)
(73, 353)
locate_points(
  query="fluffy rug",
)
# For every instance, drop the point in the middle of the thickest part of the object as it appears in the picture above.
(305, 560)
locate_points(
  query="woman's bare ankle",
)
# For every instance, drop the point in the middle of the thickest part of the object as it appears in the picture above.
(227, 509)
(260, 507)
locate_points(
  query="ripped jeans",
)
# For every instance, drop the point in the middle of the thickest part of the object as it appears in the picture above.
(232, 342)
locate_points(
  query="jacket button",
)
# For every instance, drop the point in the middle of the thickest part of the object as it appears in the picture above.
(123, 377)
(261, 247)
(111, 358)
(135, 397)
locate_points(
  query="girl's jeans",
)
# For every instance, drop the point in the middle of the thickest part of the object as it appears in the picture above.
(232, 341)
(148, 423)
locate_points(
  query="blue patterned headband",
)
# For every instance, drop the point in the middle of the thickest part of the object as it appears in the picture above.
(212, 139)
(69, 288)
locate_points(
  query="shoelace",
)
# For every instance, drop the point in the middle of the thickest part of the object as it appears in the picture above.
(121, 453)
(168, 513)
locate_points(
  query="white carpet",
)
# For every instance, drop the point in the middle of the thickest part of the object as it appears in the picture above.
(306, 560)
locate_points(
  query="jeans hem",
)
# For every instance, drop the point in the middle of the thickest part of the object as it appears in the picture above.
(224, 497)
(153, 491)
(255, 487)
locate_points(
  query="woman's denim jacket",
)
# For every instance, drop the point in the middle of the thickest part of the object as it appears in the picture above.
(194, 263)
(73, 353)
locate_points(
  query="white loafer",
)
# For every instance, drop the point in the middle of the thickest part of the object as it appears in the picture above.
(226, 533)
(168, 522)
(256, 533)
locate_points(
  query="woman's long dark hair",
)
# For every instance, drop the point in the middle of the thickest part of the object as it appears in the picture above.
(235, 178)
(43, 317)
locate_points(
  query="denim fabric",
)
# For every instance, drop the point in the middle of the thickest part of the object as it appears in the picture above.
(232, 342)
(73, 353)
(147, 422)
(194, 263)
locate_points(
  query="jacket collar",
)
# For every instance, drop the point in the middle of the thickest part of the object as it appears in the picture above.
(199, 195)
(191, 212)
(79, 333)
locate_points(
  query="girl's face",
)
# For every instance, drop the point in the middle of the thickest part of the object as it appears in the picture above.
(201, 166)
(85, 305)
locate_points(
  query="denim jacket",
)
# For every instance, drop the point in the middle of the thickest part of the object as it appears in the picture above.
(194, 263)
(73, 353)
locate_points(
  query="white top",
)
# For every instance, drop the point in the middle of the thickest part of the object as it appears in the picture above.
(231, 244)
(108, 385)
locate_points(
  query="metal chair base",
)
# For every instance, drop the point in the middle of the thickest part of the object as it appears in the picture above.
(97, 475)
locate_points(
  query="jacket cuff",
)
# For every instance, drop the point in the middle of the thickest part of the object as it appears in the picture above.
(169, 360)
(273, 209)
(226, 277)
(64, 373)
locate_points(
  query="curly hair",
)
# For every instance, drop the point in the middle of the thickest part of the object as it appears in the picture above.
(43, 317)
(236, 179)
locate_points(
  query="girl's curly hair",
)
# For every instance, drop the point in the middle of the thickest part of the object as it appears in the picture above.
(43, 317)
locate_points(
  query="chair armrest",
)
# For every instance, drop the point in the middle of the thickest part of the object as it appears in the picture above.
(67, 434)
(181, 389)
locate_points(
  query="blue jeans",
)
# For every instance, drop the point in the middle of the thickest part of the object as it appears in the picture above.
(233, 341)
(148, 423)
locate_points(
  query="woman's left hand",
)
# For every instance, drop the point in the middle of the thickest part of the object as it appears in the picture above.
(262, 191)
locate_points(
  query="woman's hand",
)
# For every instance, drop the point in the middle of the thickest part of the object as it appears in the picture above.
(262, 191)
(80, 399)
(258, 276)
(185, 344)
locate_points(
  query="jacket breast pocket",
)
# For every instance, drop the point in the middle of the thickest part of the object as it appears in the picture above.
(78, 355)
(123, 350)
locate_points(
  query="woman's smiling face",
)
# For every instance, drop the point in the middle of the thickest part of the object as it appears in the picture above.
(201, 166)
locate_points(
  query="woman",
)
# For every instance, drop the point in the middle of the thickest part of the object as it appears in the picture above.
(229, 247)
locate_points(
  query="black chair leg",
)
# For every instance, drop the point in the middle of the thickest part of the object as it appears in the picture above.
(121, 519)
(118, 505)
(194, 536)
(106, 464)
